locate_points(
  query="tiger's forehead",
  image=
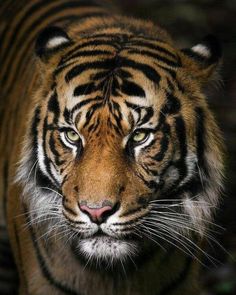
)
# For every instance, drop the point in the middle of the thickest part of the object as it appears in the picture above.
(108, 108)
(114, 81)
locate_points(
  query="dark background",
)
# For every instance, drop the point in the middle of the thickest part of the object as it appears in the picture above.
(188, 22)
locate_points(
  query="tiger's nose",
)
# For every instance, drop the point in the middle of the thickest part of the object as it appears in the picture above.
(99, 215)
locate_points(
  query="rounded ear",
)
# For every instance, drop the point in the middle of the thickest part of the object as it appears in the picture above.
(203, 58)
(51, 40)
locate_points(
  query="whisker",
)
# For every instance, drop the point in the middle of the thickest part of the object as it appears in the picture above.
(50, 189)
(166, 238)
(31, 170)
(186, 215)
(170, 229)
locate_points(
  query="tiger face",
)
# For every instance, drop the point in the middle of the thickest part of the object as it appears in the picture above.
(122, 153)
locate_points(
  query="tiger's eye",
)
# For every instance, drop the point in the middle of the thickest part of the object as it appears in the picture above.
(72, 136)
(139, 137)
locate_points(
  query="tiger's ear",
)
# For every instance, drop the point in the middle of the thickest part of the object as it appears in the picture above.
(203, 59)
(50, 41)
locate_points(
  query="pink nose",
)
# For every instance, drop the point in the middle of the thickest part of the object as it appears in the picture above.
(97, 215)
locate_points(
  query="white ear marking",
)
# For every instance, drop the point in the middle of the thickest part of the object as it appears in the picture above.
(56, 41)
(201, 50)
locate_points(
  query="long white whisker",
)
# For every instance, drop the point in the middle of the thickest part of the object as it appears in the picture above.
(50, 189)
(170, 229)
(186, 215)
(166, 237)
(31, 170)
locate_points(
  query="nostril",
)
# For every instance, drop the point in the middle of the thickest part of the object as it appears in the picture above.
(99, 214)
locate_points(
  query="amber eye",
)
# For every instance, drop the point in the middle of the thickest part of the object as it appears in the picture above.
(140, 136)
(72, 136)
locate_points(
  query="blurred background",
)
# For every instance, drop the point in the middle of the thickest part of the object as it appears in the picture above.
(188, 22)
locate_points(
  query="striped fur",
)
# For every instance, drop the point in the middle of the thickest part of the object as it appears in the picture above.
(110, 80)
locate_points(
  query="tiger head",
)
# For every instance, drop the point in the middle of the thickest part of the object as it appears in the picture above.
(122, 150)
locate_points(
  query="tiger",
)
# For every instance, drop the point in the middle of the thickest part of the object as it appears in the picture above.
(111, 159)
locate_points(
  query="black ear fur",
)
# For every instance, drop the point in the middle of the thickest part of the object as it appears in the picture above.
(50, 40)
(207, 52)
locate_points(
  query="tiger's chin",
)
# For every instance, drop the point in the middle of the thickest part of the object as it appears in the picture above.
(103, 249)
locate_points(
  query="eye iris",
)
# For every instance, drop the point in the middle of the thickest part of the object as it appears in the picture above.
(140, 136)
(72, 135)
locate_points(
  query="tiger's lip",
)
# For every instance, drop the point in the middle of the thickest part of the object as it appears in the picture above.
(101, 234)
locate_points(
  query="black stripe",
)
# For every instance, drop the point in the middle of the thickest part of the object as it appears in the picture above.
(84, 103)
(34, 128)
(170, 84)
(181, 135)
(117, 115)
(34, 138)
(85, 53)
(93, 127)
(113, 63)
(91, 111)
(67, 116)
(132, 89)
(53, 106)
(55, 151)
(147, 70)
(164, 147)
(46, 158)
(149, 45)
(78, 69)
(68, 209)
(32, 9)
(133, 106)
(44, 266)
(156, 56)
(172, 105)
(152, 185)
(147, 117)
(167, 290)
(114, 40)
(171, 72)
(200, 134)
(193, 186)
(127, 222)
(43, 181)
(93, 43)
(117, 129)
(180, 163)
(84, 89)
(132, 211)
(36, 8)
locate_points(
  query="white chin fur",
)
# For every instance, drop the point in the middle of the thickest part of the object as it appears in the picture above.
(106, 248)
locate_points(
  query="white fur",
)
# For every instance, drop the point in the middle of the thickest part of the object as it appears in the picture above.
(41, 158)
(201, 50)
(56, 41)
(55, 173)
(190, 161)
(106, 248)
